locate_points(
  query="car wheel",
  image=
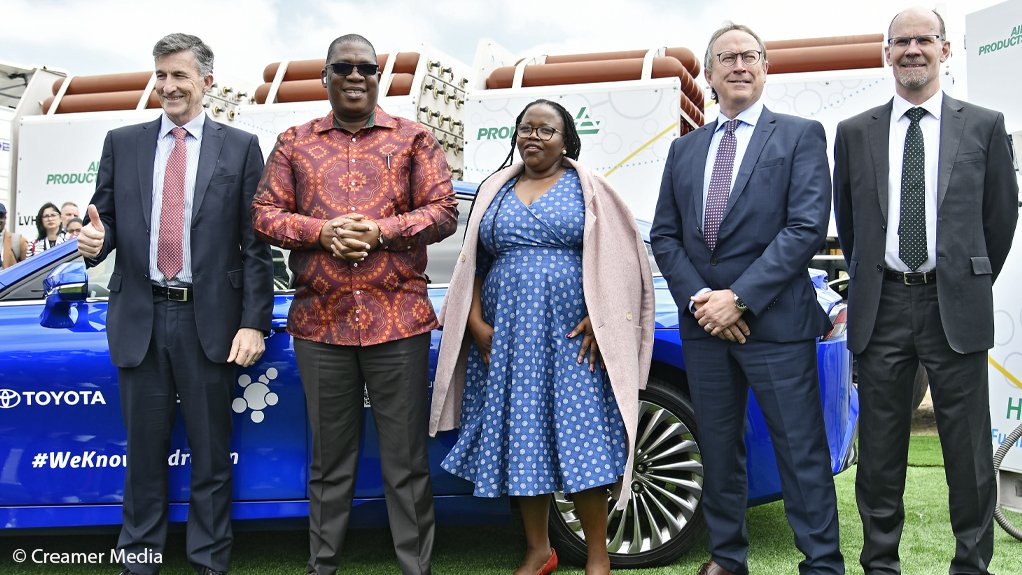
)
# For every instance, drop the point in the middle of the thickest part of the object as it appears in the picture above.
(664, 517)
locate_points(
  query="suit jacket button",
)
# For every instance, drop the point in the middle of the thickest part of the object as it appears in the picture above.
(461, 257)
(628, 315)
(713, 262)
(880, 268)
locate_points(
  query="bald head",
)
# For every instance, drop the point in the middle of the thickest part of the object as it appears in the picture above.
(916, 12)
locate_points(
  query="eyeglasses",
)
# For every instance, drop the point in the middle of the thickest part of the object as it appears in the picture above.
(543, 132)
(51, 215)
(749, 57)
(924, 41)
(345, 68)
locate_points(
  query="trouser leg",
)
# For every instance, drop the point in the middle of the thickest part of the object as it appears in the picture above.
(396, 379)
(333, 385)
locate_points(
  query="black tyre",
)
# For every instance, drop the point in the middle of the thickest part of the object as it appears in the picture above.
(664, 517)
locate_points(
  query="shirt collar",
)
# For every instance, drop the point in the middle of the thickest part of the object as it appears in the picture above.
(748, 116)
(379, 118)
(932, 105)
(193, 126)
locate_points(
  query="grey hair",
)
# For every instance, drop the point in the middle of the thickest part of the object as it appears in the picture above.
(709, 59)
(350, 39)
(178, 42)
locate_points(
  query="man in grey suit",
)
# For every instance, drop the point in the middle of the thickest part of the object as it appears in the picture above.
(926, 202)
(191, 297)
(743, 207)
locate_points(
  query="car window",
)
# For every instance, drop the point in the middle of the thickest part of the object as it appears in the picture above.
(99, 276)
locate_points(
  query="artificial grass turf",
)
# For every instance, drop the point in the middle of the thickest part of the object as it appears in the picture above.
(926, 549)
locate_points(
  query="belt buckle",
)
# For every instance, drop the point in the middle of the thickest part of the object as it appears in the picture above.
(914, 278)
(177, 293)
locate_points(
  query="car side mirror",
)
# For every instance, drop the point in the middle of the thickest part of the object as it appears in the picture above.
(66, 286)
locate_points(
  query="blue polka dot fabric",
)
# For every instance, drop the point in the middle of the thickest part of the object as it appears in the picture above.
(535, 421)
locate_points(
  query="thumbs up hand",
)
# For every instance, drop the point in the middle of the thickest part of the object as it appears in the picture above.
(90, 241)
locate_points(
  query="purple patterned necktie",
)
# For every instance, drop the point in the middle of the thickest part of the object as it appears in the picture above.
(169, 254)
(720, 184)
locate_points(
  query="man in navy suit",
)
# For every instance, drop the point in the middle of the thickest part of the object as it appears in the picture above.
(743, 207)
(925, 198)
(190, 299)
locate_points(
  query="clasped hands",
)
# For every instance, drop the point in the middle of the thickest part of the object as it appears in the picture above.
(717, 315)
(350, 237)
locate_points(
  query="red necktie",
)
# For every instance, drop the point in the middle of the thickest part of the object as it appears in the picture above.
(172, 215)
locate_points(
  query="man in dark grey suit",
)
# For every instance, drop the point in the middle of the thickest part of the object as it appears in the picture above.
(743, 207)
(926, 202)
(190, 299)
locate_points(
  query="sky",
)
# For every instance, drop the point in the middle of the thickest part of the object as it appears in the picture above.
(114, 36)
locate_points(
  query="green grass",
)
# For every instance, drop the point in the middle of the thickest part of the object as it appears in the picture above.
(926, 549)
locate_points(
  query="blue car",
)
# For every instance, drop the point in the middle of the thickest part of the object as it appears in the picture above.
(62, 440)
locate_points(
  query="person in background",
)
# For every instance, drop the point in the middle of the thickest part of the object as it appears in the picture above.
(357, 195)
(547, 339)
(744, 205)
(191, 298)
(73, 227)
(68, 211)
(925, 198)
(47, 224)
(14, 246)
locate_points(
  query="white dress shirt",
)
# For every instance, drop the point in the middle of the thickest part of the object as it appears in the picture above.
(930, 126)
(164, 145)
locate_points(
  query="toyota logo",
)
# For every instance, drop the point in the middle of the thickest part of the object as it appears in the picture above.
(9, 398)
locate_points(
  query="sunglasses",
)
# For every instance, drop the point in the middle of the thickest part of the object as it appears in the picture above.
(345, 68)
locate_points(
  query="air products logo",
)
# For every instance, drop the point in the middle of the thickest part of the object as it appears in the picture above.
(584, 123)
(1013, 39)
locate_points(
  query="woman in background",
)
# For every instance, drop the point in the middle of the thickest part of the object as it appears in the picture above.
(547, 339)
(47, 223)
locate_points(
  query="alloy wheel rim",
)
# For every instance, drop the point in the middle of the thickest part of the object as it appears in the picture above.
(667, 484)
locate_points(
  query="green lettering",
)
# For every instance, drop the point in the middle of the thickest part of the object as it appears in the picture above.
(504, 132)
(1016, 408)
(94, 167)
(481, 134)
(491, 134)
(51, 178)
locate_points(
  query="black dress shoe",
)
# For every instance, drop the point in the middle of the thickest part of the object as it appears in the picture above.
(208, 571)
(712, 568)
(127, 571)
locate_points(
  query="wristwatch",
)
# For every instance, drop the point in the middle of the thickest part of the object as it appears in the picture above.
(382, 241)
(739, 304)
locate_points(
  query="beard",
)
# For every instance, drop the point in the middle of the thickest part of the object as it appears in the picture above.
(913, 78)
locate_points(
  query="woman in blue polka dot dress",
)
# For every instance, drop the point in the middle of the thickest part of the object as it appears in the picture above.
(538, 411)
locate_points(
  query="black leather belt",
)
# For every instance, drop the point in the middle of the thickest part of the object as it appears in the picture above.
(173, 293)
(911, 278)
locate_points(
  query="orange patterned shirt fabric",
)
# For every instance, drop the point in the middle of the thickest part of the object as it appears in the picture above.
(392, 171)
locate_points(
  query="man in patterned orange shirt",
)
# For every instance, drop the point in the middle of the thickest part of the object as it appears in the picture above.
(356, 196)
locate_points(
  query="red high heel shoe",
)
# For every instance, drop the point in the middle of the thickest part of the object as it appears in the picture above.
(550, 565)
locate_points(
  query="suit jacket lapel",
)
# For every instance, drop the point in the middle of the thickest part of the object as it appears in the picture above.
(147, 139)
(952, 124)
(764, 127)
(879, 150)
(209, 153)
(698, 173)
